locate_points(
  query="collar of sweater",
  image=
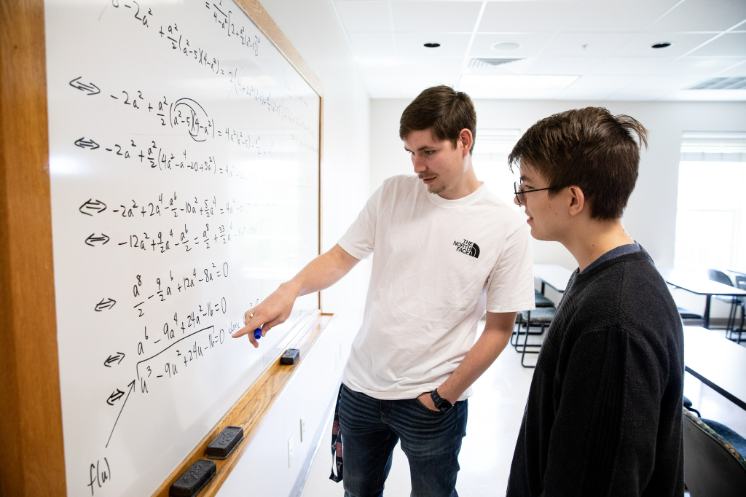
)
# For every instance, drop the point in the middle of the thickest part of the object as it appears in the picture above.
(578, 278)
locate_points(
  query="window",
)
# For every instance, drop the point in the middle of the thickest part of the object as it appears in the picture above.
(711, 210)
(490, 159)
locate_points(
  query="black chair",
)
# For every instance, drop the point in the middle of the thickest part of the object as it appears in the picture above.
(735, 302)
(738, 303)
(687, 314)
(688, 405)
(713, 464)
(542, 318)
(541, 300)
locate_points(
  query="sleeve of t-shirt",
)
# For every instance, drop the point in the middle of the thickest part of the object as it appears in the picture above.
(603, 439)
(359, 240)
(511, 284)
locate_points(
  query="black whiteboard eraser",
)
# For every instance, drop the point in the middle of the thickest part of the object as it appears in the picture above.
(290, 356)
(227, 440)
(194, 479)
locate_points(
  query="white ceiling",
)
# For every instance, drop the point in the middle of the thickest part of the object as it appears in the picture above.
(605, 45)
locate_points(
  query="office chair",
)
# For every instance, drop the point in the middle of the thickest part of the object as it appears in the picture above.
(713, 464)
(541, 317)
(735, 303)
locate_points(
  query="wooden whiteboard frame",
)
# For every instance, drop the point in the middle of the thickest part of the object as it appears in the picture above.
(32, 460)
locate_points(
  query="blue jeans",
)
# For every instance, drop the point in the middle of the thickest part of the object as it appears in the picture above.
(371, 429)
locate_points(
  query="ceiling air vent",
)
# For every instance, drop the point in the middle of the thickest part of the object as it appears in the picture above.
(721, 84)
(485, 64)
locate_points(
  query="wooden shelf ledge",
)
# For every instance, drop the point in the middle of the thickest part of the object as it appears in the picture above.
(249, 411)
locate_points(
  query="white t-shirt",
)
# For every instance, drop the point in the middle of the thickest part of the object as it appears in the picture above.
(438, 264)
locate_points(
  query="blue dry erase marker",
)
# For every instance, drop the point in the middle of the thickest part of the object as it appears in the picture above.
(257, 333)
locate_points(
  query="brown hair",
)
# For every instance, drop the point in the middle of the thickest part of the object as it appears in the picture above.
(443, 110)
(588, 148)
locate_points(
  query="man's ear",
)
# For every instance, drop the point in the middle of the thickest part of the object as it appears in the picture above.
(466, 139)
(576, 200)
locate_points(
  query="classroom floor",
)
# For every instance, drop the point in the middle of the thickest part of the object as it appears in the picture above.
(495, 412)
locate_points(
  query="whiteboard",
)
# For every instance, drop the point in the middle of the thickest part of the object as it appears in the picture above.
(184, 169)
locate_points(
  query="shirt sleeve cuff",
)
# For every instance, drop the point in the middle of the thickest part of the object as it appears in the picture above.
(352, 250)
(526, 306)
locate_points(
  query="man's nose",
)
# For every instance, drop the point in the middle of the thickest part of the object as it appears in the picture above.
(419, 164)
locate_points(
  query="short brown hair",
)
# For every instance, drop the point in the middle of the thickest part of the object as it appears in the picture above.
(443, 110)
(589, 148)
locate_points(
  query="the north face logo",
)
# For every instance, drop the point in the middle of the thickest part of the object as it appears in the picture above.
(467, 247)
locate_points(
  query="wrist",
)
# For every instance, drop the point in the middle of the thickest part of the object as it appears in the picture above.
(441, 404)
(445, 393)
(291, 287)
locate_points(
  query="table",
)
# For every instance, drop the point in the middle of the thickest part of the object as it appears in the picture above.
(553, 275)
(699, 285)
(717, 362)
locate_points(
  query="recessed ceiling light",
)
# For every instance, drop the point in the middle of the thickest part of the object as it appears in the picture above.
(432, 45)
(506, 45)
(662, 44)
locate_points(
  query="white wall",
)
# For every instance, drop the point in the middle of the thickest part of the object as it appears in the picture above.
(314, 30)
(651, 213)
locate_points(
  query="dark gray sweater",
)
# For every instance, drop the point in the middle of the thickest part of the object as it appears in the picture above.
(603, 416)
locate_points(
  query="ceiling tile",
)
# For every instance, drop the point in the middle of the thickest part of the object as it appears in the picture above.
(563, 65)
(592, 82)
(629, 66)
(573, 94)
(639, 95)
(511, 94)
(365, 16)
(708, 95)
(728, 45)
(432, 17)
(531, 17)
(668, 83)
(437, 1)
(424, 81)
(585, 44)
(702, 15)
(530, 45)
(372, 44)
(734, 72)
(451, 45)
(615, 16)
(697, 66)
(382, 80)
(641, 44)
(409, 65)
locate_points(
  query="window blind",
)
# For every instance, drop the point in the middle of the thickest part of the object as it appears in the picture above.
(713, 147)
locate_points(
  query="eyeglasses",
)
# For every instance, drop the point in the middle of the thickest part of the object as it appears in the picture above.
(519, 193)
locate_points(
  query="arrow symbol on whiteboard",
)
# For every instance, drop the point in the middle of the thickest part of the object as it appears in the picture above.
(114, 397)
(131, 386)
(118, 357)
(89, 88)
(83, 143)
(92, 205)
(108, 304)
(93, 239)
